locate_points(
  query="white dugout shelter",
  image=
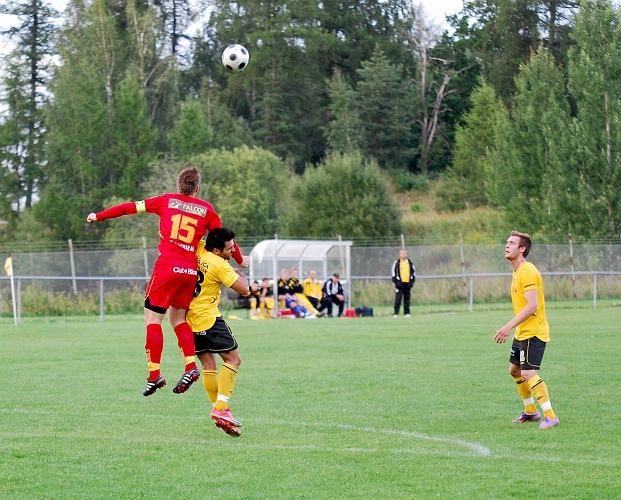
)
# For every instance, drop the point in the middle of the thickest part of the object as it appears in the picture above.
(326, 257)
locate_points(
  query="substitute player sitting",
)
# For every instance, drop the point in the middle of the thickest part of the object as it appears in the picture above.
(211, 334)
(532, 333)
(184, 220)
(254, 298)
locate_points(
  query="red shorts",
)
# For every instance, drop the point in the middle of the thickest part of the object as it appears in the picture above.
(172, 284)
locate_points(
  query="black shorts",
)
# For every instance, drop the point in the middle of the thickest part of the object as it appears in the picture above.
(527, 354)
(218, 338)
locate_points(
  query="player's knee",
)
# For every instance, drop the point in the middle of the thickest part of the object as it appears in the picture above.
(234, 358)
(515, 371)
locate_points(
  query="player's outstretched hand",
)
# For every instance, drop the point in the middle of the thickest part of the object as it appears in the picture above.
(245, 261)
(92, 217)
(502, 335)
(239, 272)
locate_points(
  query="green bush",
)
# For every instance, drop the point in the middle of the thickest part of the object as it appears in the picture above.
(408, 181)
(343, 195)
(417, 206)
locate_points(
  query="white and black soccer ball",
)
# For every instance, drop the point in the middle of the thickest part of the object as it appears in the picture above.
(235, 57)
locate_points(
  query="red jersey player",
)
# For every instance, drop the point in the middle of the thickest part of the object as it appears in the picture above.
(184, 220)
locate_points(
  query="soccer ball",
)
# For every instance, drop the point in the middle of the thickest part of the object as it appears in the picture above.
(235, 57)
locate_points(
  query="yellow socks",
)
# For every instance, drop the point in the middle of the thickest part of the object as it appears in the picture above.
(526, 395)
(540, 390)
(226, 383)
(210, 382)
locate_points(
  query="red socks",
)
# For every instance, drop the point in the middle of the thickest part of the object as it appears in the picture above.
(185, 338)
(154, 348)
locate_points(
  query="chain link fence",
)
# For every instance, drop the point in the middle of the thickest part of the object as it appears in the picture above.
(113, 281)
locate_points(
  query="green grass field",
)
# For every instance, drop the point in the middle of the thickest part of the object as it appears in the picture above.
(376, 408)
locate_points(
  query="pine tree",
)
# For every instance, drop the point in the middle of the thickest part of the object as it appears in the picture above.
(465, 181)
(386, 112)
(25, 79)
(344, 130)
(100, 135)
(529, 171)
(595, 83)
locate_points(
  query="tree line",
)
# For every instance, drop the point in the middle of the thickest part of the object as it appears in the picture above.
(515, 106)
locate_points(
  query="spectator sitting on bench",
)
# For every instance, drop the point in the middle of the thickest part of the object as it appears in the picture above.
(312, 291)
(266, 302)
(289, 299)
(333, 293)
(298, 291)
(254, 299)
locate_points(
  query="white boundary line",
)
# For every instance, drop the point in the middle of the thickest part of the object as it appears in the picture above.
(476, 450)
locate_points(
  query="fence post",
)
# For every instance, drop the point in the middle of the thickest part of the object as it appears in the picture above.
(146, 259)
(463, 262)
(19, 300)
(403, 242)
(275, 274)
(101, 301)
(471, 291)
(595, 291)
(571, 261)
(74, 282)
(340, 238)
(1, 306)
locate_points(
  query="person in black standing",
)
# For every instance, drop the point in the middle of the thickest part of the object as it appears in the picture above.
(403, 276)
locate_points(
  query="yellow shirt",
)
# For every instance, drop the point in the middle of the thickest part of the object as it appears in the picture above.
(213, 272)
(404, 270)
(525, 278)
(312, 289)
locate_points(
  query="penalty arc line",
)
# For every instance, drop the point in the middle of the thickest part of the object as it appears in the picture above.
(477, 449)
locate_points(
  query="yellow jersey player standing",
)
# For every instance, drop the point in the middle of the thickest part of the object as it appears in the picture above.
(211, 334)
(531, 335)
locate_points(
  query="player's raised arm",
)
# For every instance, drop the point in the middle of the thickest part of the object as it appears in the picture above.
(115, 211)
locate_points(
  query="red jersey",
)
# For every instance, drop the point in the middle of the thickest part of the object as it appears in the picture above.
(184, 220)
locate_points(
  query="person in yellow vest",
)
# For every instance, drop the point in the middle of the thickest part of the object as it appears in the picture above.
(531, 335)
(297, 289)
(403, 276)
(312, 291)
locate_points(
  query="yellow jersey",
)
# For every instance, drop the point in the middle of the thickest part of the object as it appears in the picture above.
(213, 272)
(312, 289)
(404, 270)
(527, 277)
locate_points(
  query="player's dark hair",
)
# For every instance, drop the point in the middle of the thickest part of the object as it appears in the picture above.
(188, 180)
(525, 241)
(217, 238)
(255, 282)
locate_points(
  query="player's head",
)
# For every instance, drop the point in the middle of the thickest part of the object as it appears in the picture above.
(335, 278)
(220, 242)
(294, 273)
(284, 274)
(312, 274)
(403, 254)
(518, 243)
(189, 181)
(265, 282)
(255, 286)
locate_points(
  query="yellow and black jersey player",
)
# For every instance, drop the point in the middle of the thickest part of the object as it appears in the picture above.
(531, 335)
(211, 333)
